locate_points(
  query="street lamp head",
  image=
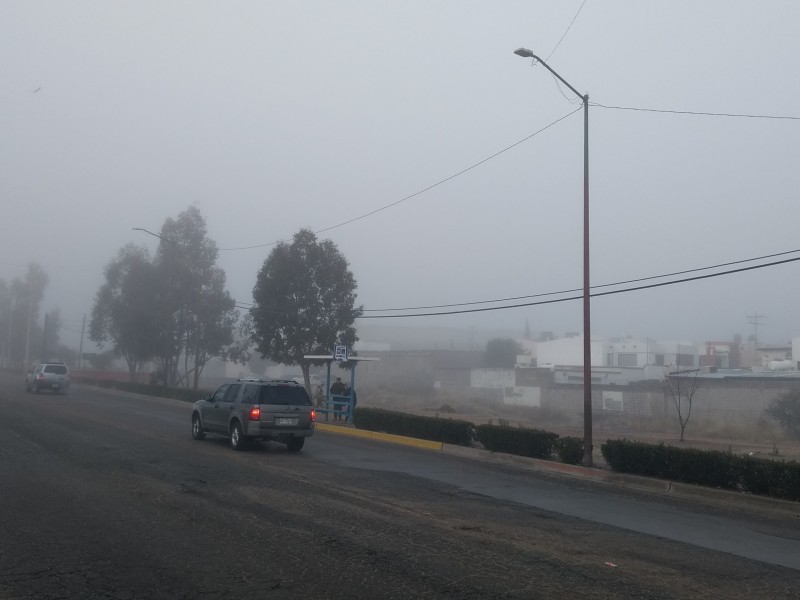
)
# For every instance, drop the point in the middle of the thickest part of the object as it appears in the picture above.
(154, 235)
(524, 53)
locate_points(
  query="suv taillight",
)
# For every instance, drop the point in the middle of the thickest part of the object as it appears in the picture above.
(255, 413)
(313, 415)
(40, 376)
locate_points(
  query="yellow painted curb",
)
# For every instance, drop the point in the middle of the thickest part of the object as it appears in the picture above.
(385, 437)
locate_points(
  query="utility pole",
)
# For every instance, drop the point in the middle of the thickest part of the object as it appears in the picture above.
(80, 348)
(28, 331)
(10, 326)
(755, 321)
(44, 339)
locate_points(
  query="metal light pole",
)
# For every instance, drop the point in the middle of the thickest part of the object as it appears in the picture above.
(168, 366)
(587, 340)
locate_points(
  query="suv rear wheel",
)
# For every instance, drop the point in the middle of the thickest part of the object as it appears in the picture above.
(238, 441)
(295, 444)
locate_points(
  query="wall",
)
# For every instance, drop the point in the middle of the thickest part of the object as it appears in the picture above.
(569, 351)
(732, 400)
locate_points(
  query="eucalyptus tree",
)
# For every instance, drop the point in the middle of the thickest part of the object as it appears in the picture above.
(125, 311)
(198, 315)
(304, 302)
(173, 308)
(26, 295)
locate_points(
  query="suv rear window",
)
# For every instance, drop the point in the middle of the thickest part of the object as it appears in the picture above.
(283, 394)
(57, 369)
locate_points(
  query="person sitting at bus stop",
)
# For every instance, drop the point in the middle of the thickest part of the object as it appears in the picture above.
(338, 389)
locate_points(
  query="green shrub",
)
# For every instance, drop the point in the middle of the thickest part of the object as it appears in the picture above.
(786, 411)
(569, 449)
(705, 467)
(448, 431)
(774, 478)
(517, 440)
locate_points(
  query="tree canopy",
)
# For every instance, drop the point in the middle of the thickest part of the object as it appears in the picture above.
(786, 411)
(173, 308)
(126, 307)
(304, 302)
(501, 353)
(20, 310)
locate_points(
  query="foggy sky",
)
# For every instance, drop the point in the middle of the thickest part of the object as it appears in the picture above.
(272, 116)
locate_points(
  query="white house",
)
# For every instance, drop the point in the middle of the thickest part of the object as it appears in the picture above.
(617, 360)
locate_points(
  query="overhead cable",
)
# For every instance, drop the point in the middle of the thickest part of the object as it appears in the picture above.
(422, 191)
(571, 23)
(697, 113)
(604, 285)
(554, 301)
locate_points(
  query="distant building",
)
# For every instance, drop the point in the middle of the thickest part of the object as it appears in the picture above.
(617, 361)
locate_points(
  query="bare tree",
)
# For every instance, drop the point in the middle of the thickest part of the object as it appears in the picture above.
(681, 386)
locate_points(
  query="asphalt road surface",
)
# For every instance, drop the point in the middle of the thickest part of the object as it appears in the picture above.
(105, 495)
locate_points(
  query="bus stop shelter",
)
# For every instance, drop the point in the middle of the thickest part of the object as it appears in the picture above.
(339, 405)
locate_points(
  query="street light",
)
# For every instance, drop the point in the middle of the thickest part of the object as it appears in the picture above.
(587, 341)
(151, 233)
(167, 364)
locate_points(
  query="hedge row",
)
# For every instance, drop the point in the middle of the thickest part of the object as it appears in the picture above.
(498, 438)
(448, 431)
(726, 470)
(516, 440)
(187, 395)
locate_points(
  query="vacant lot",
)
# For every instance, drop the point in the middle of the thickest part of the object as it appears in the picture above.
(761, 438)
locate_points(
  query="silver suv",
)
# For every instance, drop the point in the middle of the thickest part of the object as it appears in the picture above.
(256, 409)
(48, 376)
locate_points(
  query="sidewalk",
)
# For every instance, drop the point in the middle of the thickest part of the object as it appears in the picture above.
(712, 496)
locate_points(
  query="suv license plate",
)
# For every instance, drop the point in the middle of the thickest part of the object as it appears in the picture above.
(286, 421)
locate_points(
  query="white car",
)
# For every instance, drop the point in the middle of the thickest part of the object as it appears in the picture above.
(48, 376)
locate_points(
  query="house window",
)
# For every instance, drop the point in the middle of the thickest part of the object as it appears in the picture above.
(610, 360)
(626, 360)
(659, 360)
(685, 360)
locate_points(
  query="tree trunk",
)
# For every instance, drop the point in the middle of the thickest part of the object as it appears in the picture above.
(133, 367)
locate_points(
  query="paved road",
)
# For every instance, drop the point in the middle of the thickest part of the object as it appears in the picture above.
(106, 496)
(680, 521)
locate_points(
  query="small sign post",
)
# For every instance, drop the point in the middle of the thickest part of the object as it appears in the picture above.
(340, 353)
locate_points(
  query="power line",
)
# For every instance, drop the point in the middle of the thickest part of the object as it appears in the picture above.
(696, 113)
(422, 191)
(633, 289)
(248, 305)
(567, 31)
(604, 285)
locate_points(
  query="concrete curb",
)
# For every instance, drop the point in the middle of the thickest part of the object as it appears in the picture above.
(664, 487)
(384, 437)
(711, 496)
